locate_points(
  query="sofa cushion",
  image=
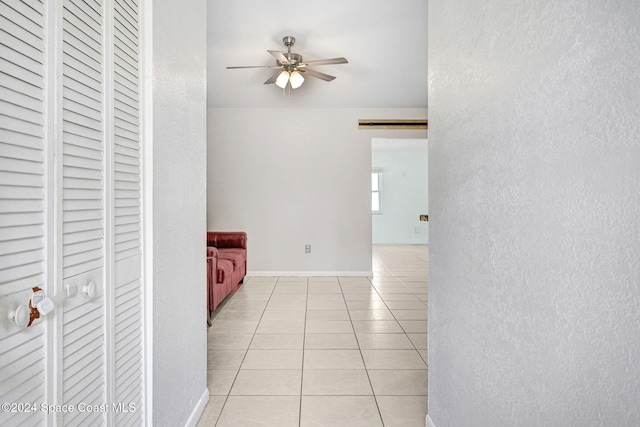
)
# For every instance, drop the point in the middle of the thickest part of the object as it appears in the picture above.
(236, 256)
(227, 239)
(225, 269)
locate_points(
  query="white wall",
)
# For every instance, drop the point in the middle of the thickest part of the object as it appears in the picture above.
(534, 155)
(403, 195)
(290, 177)
(179, 212)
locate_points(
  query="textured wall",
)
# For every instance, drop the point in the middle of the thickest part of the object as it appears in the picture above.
(179, 210)
(534, 163)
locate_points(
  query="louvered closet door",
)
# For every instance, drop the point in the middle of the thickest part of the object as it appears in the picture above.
(70, 209)
(83, 209)
(103, 159)
(22, 207)
(128, 338)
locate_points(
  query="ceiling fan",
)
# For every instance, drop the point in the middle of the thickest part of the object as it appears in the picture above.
(292, 69)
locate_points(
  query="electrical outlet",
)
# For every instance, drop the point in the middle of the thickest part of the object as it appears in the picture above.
(307, 249)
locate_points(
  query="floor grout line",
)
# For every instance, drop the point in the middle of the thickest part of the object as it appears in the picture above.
(362, 357)
(304, 337)
(401, 276)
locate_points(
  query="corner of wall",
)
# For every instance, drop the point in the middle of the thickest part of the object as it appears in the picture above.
(198, 409)
(179, 347)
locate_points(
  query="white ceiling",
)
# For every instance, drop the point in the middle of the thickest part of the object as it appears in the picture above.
(384, 41)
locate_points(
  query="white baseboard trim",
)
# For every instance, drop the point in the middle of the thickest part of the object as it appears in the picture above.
(402, 243)
(196, 414)
(429, 422)
(309, 273)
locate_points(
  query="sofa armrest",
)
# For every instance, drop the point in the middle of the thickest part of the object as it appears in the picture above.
(212, 252)
(227, 239)
(212, 261)
(212, 276)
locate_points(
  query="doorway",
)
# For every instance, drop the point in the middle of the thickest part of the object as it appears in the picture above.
(400, 202)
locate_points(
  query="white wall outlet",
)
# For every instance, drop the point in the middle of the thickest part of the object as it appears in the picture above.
(307, 249)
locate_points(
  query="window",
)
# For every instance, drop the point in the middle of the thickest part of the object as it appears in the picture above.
(375, 191)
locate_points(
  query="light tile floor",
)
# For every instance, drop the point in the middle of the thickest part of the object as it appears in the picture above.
(324, 351)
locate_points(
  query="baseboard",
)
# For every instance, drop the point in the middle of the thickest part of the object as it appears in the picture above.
(429, 422)
(402, 243)
(310, 273)
(198, 410)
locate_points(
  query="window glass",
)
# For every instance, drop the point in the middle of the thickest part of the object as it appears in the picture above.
(375, 191)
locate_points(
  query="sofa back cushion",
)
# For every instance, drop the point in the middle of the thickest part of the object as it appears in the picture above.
(227, 239)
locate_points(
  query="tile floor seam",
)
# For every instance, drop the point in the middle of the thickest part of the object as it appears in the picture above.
(245, 354)
(363, 362)
(224, 304)
(304, 337)
(393, 314)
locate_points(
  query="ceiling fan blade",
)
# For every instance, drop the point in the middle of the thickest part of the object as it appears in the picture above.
(253, 66)
(316, 74)
(327, 61)
(273, 78)
(279, 56)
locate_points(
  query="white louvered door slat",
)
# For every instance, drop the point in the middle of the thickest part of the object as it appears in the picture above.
(128, 338)
(22, 207)
(83, 147)
(83, 222)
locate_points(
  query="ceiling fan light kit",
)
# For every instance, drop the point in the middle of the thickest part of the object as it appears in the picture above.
(283, 79)
(296, 80)
(291, 69)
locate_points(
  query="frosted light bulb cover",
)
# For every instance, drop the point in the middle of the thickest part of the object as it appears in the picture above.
(282, 80)
(296, 80)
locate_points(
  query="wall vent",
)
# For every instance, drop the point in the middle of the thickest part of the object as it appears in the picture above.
(393, 124)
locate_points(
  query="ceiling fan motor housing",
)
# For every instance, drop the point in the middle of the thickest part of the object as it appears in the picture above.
(294, 59)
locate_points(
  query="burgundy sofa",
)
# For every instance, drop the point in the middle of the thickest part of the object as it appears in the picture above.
(226, 264)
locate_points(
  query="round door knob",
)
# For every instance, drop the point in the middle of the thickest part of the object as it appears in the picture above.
(90, 289)
(20, 316)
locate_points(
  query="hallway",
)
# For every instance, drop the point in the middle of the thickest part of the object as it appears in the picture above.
(324, 351)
